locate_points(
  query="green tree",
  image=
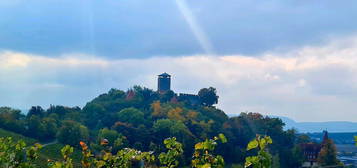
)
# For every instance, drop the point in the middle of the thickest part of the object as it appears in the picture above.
(72, 133)
(131, 115)
(113, 138)
(297, 157)
(36, 128)
(12, 119)
(51, 127)
(94, 112)
(110, 135)
(167, 96)
(208, 96)
(36, 110)
(165, 128)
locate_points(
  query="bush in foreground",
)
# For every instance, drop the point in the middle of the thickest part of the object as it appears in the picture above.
(16, 154)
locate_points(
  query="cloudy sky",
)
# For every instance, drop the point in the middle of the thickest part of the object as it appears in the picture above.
(294, 58)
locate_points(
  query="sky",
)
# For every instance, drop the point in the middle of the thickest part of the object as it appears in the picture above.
(293, 58)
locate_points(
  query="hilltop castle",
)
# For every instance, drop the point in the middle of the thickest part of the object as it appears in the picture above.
(164, 85)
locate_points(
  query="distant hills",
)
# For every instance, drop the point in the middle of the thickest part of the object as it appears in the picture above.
(317, 127)
(330, 126)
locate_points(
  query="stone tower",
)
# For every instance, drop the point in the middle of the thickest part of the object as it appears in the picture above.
(164, 83)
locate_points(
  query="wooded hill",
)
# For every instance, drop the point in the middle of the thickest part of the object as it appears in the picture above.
(141, 118)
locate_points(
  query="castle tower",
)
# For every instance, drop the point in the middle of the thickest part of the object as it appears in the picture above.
(164, 83)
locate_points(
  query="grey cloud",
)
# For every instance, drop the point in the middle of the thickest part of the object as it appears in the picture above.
(314, 83)
(140, 28)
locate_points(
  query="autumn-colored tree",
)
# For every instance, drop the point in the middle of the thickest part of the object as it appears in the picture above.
(328, 154)
(192, 115)
(157, 110)
(176, 114)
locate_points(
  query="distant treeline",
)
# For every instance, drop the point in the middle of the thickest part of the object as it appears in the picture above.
(338, 138)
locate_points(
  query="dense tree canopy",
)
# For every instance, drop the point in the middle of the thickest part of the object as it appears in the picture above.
(141, 118)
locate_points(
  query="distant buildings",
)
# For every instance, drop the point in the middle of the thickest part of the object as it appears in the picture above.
(311, 151)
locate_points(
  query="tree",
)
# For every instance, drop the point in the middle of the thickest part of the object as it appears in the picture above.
(51, 127)
(297, 157)
(208, 96)
(165, 128)
(176, 114)
(36, 128)
(147, 94)
(167, 96)
(328, 154)
(157, 110)
(72, 133)
(112, 138)
(94, 113)
(131, 115)
(36, 110)
(12, 120)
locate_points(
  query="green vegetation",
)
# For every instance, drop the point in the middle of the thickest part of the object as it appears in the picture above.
(169, 159)
(52, 153)
(118, 125)
(263, 158)
(203, 157)
(16, 137)
(16, 154)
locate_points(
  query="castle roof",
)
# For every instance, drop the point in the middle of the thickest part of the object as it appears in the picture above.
(165, 74)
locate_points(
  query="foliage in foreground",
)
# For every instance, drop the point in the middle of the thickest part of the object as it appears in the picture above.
(16, 154)
(263, 158)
